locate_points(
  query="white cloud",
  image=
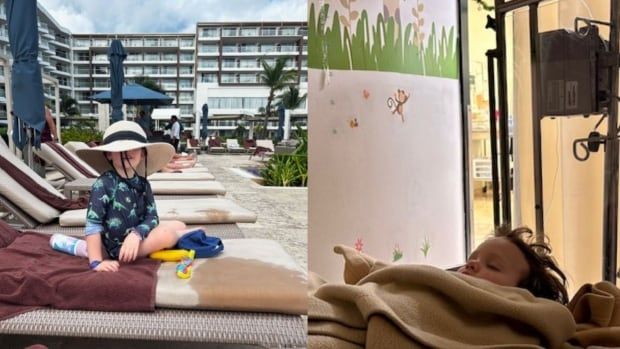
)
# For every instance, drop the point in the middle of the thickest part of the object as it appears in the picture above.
(166, 16)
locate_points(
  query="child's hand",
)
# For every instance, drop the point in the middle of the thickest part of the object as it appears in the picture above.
(129, 250)
(107, 266)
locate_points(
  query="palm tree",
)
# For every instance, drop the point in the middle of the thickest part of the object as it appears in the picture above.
(289, 100)
(68, 105)
(149, 83)
(276, 78)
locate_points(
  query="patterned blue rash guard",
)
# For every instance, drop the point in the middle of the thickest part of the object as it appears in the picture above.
(118, 205)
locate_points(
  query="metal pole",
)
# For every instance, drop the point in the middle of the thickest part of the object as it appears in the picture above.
(536, 124)
(610, 191)
(491, 54)
(503, 117)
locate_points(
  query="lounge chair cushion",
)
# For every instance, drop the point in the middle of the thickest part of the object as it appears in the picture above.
(249, 275)
(51, 156)
(189, 211)
(183, 176)
(26, 201)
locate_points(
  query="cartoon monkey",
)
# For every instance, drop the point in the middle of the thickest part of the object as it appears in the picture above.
(396, 104)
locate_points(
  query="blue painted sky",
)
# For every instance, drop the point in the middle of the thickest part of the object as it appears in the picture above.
(166, 16)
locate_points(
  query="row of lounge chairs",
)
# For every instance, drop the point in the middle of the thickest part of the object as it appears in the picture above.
(194, 197)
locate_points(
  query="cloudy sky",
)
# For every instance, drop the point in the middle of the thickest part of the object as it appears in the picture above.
(166, 16)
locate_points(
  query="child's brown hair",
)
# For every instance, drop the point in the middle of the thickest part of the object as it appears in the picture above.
(545, 279)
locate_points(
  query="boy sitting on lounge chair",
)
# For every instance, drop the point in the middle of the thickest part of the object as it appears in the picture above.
(121, 216)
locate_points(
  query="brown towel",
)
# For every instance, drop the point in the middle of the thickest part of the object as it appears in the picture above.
(62, 152)
(29, 184)
(596, 309)
(32, 275)
(415, 306)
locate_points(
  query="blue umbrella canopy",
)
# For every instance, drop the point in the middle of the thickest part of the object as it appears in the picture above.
(135, 94)
(26, 81)
(116, 56)
(205, 121)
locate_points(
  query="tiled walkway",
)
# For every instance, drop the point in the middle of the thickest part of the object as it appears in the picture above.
(282, 212)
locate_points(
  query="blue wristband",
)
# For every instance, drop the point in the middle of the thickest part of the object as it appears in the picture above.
(94, 264)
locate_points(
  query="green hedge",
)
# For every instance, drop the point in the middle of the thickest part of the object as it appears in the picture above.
(81, 134)
(289, 170)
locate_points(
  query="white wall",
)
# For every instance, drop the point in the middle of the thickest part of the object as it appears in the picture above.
(388, 182)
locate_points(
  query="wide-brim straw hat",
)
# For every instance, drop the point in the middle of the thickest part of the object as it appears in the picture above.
(124, 136)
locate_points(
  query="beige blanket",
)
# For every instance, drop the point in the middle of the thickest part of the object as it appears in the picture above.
(414, 306)
(596, 309)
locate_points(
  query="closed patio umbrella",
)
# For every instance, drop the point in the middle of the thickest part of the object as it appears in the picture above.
(204, 121)
(280, 133)
(116, 56)
(26, 82)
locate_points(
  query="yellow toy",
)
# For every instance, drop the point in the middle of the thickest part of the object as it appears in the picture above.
(173, 255)
(184, 268)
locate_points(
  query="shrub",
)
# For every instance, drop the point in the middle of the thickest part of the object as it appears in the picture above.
(81, 134)
(287, 170)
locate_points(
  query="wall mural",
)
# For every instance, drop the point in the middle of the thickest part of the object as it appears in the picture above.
(385, 132)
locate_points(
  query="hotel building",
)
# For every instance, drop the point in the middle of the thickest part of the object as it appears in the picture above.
(218, 65)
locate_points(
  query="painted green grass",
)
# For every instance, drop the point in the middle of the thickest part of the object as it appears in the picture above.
(340, 48)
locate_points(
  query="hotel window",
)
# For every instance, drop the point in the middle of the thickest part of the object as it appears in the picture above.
(100, 42)
(101, 70)
(133, 57)
(304, 62)
(102, 83)
(287, 31)
(100, 57)
(151, 70)
(186, 70)
(228, 78)
(303, 77)
(135, 70)
(248, 63)
(151, 42)
(186, 109)
(305, 48)
(81, 42)
(229, 63)
(135, 42)
(82, 56)
(268, 31)
(229, 31)
(207, 63)
(303, 31)
(170, 57)
(169, 42)
(186, 96)
(82, 83)
(268, 48)
(248, 48)
(63, 81)
(151, 57)
(187, 42)
(185, 83)
(168, 84)
(171, 94)
(186, 57)
(210, 32)
(208, 48)
(62, 53)
(247, 78)
(288, 48)
(208, 77)
(249, 32)
(168, 70)
(229, 48)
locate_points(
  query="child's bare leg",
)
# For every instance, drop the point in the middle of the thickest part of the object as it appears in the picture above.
(162, 236)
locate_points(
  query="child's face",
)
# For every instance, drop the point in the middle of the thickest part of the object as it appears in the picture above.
(132, 161)
(497, 260)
